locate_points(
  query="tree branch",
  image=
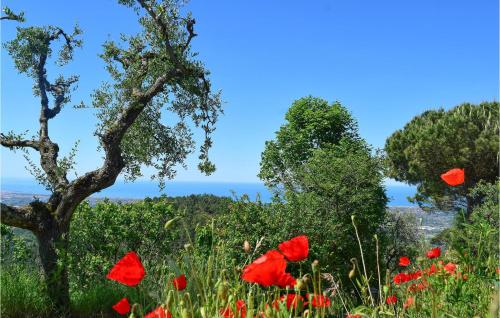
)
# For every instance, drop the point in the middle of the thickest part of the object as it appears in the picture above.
(24, 217)
(190, 28)
(10, 15)
(163, 31)
(12, 143)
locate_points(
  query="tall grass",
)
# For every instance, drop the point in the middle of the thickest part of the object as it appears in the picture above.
(23, 293)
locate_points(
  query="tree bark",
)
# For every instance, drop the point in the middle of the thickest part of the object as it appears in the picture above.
(53, 248)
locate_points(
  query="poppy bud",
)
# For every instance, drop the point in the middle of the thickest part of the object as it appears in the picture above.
(352, 273)
(299, 284)
(315, 265)
(133, 310)
(170, 222)
(305, 279)
(246, 247)
(185, 313)
(222, 290)
(386, 289)
(203, 312)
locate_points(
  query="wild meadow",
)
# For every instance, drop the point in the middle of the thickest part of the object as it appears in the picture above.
(145, 259)
(325, 245)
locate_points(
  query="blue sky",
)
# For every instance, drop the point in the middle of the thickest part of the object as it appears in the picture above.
(386, 61)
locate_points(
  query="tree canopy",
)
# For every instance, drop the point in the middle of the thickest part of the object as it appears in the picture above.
(311, 123)
(465, 136)
(328, 174)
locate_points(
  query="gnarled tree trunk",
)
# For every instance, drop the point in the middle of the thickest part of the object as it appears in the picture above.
(53, 247)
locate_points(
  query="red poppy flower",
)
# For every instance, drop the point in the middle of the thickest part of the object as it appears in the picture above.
(433, 253)
(159, 312)
(415, 275)
(320, 301)
(296, 249)
(241, 308)
(180, 282)
(284, 280)
(391, 300)
(450, 267)
(353, 316)
(122, 307)
(432, 270)
(401, 278)
(265, 270)
(418, 287)
(292, 300)
(409, 302)
(128, 270)
(454, 177)
(404, 261)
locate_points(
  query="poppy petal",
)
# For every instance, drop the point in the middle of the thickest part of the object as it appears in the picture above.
(284, 280)
(404, 261)
(296, 249)
(320, 301)
(180, 282)
(122, 307)
(454, 177)
(128, 270)
(450, 268)
(159, 312)
(434, 253)
(265, 270)
(391, 300)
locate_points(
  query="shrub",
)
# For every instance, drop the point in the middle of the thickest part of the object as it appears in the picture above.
(401, 238)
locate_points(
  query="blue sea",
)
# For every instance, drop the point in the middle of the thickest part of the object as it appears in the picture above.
(140, 189)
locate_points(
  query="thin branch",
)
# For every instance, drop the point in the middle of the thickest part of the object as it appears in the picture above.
(59, 32)
(163, 30)
(18, 143)
(190, 28)
(10, 15)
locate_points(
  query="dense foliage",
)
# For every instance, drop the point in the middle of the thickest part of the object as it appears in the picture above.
(311, 123)
(465, 136)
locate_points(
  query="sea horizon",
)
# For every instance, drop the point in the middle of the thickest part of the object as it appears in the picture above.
(140, 189)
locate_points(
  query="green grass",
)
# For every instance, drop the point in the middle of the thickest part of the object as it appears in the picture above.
(22, 293)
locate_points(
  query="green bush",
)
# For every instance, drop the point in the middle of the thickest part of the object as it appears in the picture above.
(101, 234)
(476, 240)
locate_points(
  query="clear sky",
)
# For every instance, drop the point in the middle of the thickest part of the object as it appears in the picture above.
(386, 61)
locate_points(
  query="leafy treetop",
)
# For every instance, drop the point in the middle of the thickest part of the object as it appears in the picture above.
(311, 123)
(465, 136)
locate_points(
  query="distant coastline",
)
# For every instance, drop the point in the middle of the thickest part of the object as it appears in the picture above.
(430, 223)
(140, 189)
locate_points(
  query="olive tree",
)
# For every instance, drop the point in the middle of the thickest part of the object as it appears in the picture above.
(150, 71)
